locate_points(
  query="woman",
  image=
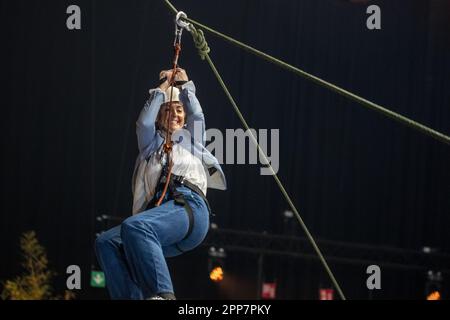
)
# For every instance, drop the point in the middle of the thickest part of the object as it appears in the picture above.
(164, 224)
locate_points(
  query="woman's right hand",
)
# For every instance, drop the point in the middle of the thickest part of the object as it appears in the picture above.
(165, 74)
(180, 75)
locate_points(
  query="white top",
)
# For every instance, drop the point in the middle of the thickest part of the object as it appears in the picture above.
(184, 164)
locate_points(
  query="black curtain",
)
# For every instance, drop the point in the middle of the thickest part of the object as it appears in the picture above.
(70, 100)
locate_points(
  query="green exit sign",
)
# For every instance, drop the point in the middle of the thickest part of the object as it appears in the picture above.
(97, 279)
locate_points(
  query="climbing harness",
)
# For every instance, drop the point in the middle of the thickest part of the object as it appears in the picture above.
(174, 182)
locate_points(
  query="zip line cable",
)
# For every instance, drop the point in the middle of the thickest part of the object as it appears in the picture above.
(363, 102)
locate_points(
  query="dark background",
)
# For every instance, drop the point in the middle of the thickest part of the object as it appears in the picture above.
(70, 99)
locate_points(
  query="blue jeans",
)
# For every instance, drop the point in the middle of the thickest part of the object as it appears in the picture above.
(132, 255)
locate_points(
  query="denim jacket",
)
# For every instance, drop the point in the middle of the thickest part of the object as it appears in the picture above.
(192, 138)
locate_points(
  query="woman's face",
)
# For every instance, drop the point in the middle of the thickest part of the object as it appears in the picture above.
(177, 116)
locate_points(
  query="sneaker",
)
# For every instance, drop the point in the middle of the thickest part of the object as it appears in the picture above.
(163, 296)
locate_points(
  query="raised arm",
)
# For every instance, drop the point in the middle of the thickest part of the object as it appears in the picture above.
(195, 123)
(145, 125)
(195, 119)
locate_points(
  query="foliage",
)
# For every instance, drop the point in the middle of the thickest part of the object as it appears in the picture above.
(35, 283)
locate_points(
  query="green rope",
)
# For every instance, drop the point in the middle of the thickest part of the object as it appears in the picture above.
(277, 180)
(364, 102)
(199, 41)
(203, 51)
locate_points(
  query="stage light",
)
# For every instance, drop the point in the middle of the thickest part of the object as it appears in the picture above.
(435, 295)
(433, 285)
(216, 274)
(216, 264)
(288, 214)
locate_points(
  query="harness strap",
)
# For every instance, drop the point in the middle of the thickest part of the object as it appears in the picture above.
(179, 199)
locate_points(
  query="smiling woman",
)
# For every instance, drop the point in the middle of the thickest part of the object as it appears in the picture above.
(170, 210)
(171, 115)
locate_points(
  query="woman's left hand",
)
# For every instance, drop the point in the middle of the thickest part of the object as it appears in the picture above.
(181, 75)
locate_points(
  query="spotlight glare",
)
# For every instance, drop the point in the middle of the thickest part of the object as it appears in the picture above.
(435, 295)
(216, 274)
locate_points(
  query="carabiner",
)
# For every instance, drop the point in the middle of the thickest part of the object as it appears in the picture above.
(179, 26)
